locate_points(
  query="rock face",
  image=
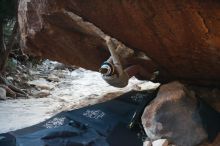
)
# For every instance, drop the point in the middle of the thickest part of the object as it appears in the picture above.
(172, 115)
(52, 31)
(181, 37)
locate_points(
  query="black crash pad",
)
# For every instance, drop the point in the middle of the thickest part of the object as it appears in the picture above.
(103, 124)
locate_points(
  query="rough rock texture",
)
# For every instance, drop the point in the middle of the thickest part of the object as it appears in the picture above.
(2, 94)
(50, 31)
(210, 95)
(215, 143)
(174, 115)
(181, 37)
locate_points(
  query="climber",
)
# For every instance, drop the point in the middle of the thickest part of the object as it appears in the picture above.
(113, 72)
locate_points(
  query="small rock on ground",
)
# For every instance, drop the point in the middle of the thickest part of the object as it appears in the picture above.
(147, 143)
(160, 142)
(54, 78)
(2, 94)
(41, 94)
(41, 83)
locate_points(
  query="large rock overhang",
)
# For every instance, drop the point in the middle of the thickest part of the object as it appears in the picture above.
(182, 37)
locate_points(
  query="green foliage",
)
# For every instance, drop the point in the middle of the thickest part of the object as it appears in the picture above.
(11, 64)
(8, 28)
(8, 10)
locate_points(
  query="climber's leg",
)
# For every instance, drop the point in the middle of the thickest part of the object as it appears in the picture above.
(138, 71)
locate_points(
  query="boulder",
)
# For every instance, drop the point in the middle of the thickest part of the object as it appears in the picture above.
(174, 115)
(41, 83)
(2, 94)
(41, 93)
(181, 37)
(160, 142)
(53, 78)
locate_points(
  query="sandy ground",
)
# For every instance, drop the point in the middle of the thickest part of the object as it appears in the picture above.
(73, 90)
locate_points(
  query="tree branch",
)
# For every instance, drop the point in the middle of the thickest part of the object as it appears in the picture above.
(8, 48)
